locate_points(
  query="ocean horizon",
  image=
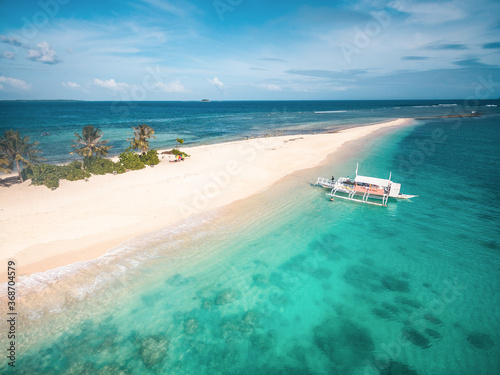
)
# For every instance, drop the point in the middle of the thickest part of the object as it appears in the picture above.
(53, 123)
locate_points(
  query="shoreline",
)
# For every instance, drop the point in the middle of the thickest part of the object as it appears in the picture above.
(44, 229)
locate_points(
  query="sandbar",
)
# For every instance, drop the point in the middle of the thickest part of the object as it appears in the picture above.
(42, 229)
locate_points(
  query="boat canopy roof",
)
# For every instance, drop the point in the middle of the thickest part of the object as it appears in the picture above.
(373, 181)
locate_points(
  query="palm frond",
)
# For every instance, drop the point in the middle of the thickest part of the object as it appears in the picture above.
(17, 149)
(90, 142)
(5, 164)
(142, 133)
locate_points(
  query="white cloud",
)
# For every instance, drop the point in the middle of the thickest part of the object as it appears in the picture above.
(429, 13)
(43, 54)
(111, 84)
(7, 55)
(175, 86)
(177, 8)
(270, 87)
(10, 40)
(340, 88)
(14, 83)
(70, 84)
(123, 88)
(217, 83)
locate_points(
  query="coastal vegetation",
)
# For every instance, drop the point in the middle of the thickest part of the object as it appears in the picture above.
(150, 157)
(90, 143)
(49, 174)
(5, 164)
(142, 133)
(15, 149)
(98, 165)
(176, 151)
(131, 160)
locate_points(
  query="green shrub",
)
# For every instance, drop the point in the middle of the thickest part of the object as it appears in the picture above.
(73, 171)
(27, 173)
(46, 174)
(98, 165)
(75, 164)
(150, 158)
(75, 174)
(119, 168)
(181, 153)
(49, 174)
(131, 160)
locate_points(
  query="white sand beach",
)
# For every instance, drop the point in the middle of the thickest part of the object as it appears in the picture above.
(43, 229)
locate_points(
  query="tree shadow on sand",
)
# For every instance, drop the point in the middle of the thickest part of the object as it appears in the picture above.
(9, 181)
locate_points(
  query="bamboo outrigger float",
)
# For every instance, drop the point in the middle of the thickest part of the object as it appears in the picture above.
(363, 188)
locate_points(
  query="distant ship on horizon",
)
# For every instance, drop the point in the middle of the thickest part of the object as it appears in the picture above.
(205, 100)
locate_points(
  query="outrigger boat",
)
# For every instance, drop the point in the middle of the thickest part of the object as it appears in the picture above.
(363, 188)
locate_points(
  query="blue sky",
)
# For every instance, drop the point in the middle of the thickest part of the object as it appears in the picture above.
(249, 49)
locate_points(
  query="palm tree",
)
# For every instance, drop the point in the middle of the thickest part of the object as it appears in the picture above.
(141, 135)
(17, 149)
(5, 165)
(89, 143)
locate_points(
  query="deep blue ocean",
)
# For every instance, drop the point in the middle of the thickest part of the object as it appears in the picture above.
(285, 282)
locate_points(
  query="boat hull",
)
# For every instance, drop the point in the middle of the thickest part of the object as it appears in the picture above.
(363, 192)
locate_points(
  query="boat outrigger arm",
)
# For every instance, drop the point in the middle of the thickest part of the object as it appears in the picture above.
(363, 188)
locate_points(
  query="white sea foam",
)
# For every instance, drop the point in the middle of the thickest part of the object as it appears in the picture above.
(77, 281)
(319, 112)
(435, 105)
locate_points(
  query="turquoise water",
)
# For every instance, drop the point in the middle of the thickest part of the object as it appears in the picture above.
(288, 282)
